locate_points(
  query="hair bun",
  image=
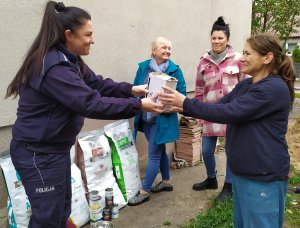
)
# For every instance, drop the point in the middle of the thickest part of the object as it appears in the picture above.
(220, 21)
(59, 7)
(220, 25)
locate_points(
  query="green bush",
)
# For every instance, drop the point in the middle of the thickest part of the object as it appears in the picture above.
(296, 55)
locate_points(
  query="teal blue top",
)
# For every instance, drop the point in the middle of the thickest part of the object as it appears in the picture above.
(167, 123)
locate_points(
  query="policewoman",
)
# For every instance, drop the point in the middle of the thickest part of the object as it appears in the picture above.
(56, 91)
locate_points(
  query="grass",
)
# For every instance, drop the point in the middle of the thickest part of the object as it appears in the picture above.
(292, 212)
(221, 215)
(297, 95)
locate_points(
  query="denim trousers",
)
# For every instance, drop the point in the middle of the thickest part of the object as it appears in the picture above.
(158, 158)
(208, 151)
(46, 178)
(258, 203)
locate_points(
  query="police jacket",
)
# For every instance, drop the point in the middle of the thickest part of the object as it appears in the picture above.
(52, 106)
(257, 117)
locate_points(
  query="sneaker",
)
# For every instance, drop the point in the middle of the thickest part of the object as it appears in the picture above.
(138, 199)
(209, 183)
(161, 186)
(225, 194)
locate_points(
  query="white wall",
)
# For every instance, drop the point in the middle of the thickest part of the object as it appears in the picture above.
(123, 31)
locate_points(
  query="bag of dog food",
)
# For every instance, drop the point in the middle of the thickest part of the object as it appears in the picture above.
(11, 216)
(80, 213)
(124, 157)
(18, 205)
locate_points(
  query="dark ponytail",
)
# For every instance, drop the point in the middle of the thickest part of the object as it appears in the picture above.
(56, 20)
(281, 64)
(220, 25)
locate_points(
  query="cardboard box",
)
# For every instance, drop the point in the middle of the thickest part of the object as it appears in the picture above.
(155, 83)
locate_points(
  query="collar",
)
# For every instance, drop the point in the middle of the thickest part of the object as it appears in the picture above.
(70, 55)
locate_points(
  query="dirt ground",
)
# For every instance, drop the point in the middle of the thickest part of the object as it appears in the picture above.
(293, 139)
(293, 134)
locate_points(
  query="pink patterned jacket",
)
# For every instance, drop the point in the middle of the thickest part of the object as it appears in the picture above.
(213, 81)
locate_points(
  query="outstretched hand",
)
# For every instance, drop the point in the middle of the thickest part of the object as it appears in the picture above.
(140, 90)
(172, 97)
(149, 105)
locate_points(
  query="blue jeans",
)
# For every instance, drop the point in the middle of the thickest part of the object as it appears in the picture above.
(208, 150)
(47, 181)
(157, 157)
(258, 203)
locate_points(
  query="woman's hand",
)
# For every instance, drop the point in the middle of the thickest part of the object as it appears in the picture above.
(172, 97)
(140, 90)
(149, 105)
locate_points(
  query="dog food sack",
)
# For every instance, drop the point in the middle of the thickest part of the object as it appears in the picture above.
(80, 214)
(124, 157)
(20, 210)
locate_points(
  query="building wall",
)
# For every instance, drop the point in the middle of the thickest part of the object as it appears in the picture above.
(123, 31)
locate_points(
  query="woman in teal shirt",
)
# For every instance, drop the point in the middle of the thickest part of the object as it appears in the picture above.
(158, 129)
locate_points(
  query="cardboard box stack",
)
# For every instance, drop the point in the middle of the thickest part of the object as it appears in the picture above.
(188, 147)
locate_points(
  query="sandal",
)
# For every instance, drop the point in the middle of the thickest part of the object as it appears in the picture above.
(138, 199)
(161, 186)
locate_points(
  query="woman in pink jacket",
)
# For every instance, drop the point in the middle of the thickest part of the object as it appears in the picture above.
(217, 74)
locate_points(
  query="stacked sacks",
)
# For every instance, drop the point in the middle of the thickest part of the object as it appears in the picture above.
(93, 157)
(107, 160)
(18, 205)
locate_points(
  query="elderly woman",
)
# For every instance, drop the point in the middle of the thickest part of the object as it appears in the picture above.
(158, 129)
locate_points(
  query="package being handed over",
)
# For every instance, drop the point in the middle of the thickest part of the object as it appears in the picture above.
(155, 83)
(124, 157)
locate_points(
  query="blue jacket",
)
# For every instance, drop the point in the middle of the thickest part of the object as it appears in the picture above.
(53, 105)
(167, 124)
(257, 118)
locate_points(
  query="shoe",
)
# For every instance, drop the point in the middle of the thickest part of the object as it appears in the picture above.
(225, 194)
(297, 190)
(209, 183)
(138, 199)
(161, 186)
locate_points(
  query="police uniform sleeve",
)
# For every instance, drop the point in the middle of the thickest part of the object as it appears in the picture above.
(66, 87)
